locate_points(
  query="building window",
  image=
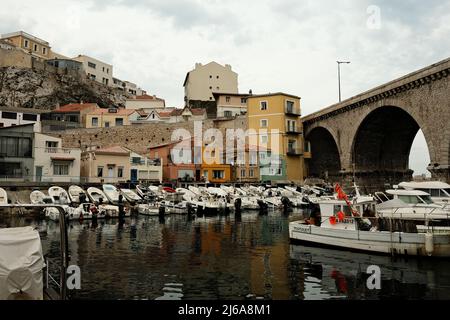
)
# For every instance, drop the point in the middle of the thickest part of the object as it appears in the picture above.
(217, 88)
(218, 174)
(29, 117)
(210, 88)
(243, 100)
(292, 145)
(251, 173)
(92, 65)
(263, 105)
(227, 99)
(35, 47)
(210, 98)
(119, 121)
(291, 125)
(120, 172)
(228, 114)
(264, 139)
(107, 70)
(107, 124)
(61, 169)
(95, 122)
(44, 50)
(25, 44)
(217, 77)
(16, 147)
(290, 107)
(264, 123)
(205, 174)
(9, 115)
(51, 146)
(307, 146)
(210, 76)
(103, 69)
(99, 172)
(243, 173)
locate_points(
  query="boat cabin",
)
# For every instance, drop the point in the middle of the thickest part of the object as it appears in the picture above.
(411, 196)
(439, 191)
(336, 214)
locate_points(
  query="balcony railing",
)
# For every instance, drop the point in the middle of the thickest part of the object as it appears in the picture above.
(292, 130)
(57, 150)
(294, 152)
(292, 111)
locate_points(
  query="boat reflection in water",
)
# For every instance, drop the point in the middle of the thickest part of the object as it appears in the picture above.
(338, 274)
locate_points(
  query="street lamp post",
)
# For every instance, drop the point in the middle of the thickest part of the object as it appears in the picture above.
(339, 76)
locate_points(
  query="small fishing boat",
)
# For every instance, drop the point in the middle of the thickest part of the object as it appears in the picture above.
(95, 194)
(130, 196)
(38, 197)
(345, 224)
(59, 195)
(75, 192)
(84, 211)
(112, 193)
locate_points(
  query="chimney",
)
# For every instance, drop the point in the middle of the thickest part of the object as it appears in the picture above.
(228, 66)
(198, 65)
(250, 92)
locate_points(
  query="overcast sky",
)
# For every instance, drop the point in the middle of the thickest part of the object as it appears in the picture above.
(289, 46)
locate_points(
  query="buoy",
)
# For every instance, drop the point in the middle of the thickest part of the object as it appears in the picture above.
(333, 220)
(429, 244)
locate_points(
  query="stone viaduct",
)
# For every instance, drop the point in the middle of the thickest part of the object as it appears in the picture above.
(369, 136)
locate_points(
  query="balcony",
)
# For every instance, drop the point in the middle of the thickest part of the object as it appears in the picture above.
(292, 130)
(294, 152)
(291, 111)
(58, 150)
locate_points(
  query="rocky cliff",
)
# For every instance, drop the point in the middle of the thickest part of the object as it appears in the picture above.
(46, 89)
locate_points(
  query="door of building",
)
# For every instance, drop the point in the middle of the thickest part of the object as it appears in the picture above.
(38, 174)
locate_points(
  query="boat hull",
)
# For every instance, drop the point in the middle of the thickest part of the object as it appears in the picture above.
(397, 243)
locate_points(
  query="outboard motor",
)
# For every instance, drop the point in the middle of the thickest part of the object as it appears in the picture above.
(190, 209)
(238, 205)
(287, 204)
(263, 207)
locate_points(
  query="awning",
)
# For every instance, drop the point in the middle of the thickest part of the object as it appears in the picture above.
(62, 159)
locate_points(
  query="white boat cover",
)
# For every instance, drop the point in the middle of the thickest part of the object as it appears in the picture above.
(21, 264)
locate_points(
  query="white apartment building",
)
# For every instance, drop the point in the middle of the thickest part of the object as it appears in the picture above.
(201, 82)
(145, 169)
(230, 104)
(97, 70)
(52, 162)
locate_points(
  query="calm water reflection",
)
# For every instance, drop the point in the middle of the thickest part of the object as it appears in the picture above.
(229, 258)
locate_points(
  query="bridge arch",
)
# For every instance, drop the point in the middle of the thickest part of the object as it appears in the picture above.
(325, 152)
(383, 139)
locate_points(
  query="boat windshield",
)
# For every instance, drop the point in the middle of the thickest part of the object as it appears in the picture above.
(446, 193)
(410, 199)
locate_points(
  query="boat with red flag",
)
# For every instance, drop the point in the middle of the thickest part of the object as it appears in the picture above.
(353, 224)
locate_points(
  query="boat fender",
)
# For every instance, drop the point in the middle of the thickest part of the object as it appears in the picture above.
(429, 243)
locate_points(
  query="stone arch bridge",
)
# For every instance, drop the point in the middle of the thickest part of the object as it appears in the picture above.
(369, 137)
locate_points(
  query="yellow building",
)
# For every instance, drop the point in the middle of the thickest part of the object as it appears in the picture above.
(35, 46)
(112, 117)
(276, 120)
(214, 168)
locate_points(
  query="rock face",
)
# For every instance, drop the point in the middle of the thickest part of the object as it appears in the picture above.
(44, 89)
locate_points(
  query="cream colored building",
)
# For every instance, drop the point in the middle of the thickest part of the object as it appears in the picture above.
(53, 163)
(97, 70)
(112, 117)
(230, 104)
(35, 46)
(201, 82)
(106, 165)
(145, 169)
(145, 102)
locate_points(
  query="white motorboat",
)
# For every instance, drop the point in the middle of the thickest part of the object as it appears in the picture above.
(341, 225)
(412, 205)
(38, 197)
(75, 192)
(59, 195)
(112, 193)
(95, 194)
(130, 196)
(439, 191)
(3, 196)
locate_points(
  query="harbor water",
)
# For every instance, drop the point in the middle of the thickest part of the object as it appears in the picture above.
(227, 257)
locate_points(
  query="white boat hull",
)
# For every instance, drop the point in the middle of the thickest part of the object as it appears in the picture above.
(399, 243)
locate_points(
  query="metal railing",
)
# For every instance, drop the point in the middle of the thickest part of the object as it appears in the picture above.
(58, 150)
